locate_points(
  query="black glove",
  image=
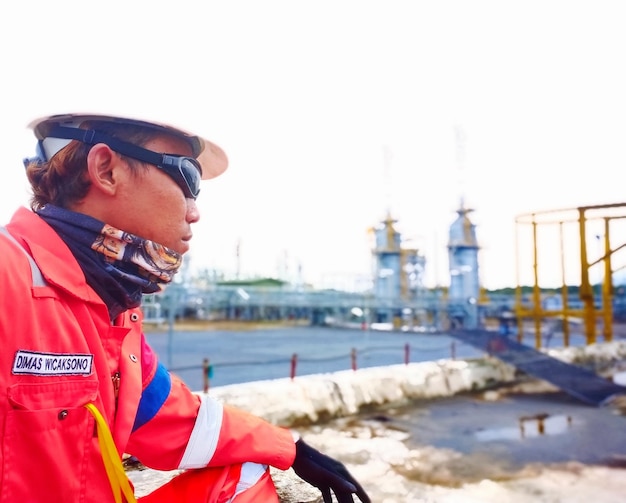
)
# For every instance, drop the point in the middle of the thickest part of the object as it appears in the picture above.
(326, 474)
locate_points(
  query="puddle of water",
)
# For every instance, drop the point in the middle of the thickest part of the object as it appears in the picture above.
(528, 427)
(517, 430)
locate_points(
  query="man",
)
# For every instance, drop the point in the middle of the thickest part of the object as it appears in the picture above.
(112, 207)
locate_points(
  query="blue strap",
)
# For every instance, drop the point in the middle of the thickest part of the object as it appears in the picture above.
(153, 397)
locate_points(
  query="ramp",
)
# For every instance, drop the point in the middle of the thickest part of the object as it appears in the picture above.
(573, 380)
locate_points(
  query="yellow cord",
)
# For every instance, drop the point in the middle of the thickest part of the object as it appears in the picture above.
(112, 462)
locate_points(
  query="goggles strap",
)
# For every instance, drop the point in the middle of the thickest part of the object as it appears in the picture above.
(112, 462)
(91, 137)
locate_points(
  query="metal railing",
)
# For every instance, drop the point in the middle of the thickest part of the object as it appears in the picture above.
(207, 368)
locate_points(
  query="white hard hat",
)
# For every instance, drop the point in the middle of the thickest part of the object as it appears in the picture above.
(212, 158)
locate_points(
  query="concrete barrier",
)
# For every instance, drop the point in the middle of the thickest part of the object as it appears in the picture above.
(315, 398)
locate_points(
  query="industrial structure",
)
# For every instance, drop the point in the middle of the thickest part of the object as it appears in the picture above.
(464, 290)
(398, 275)
(398, 298)
(584, 241)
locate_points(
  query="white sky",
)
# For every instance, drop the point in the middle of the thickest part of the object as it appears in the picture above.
(306, 96)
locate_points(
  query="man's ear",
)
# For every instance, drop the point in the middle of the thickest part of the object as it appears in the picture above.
(104, 168)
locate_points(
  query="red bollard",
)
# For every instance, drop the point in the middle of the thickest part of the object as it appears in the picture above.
(353, 358)
(407, 353)
(294, 362)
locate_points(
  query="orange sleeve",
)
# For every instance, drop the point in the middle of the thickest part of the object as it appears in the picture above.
(245, 437)
(192, 431)
(161, 441)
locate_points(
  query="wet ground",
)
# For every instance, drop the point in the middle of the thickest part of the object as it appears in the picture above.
(497, 439)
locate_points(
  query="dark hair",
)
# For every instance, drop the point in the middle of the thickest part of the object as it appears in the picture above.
(63, 179)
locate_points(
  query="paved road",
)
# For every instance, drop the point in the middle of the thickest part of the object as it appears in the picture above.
(240, 356)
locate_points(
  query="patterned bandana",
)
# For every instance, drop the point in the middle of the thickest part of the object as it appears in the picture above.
(156, 262)
(119, 266)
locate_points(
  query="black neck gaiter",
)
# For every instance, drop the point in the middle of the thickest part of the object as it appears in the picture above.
(119, 266)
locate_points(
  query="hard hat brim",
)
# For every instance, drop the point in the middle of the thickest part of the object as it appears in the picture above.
(212, 158)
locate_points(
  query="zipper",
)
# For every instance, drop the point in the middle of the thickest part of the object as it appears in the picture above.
(115, 379)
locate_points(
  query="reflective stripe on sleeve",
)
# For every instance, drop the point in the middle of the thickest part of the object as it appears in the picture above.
(206, 432)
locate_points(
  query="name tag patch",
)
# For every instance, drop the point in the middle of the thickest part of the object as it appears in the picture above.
(46, 364)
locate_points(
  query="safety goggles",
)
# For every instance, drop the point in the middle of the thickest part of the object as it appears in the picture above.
(185, 171)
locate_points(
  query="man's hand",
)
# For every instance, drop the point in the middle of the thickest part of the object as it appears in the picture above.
(326, 474)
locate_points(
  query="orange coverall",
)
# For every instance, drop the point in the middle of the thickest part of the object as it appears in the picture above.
(60, 351)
